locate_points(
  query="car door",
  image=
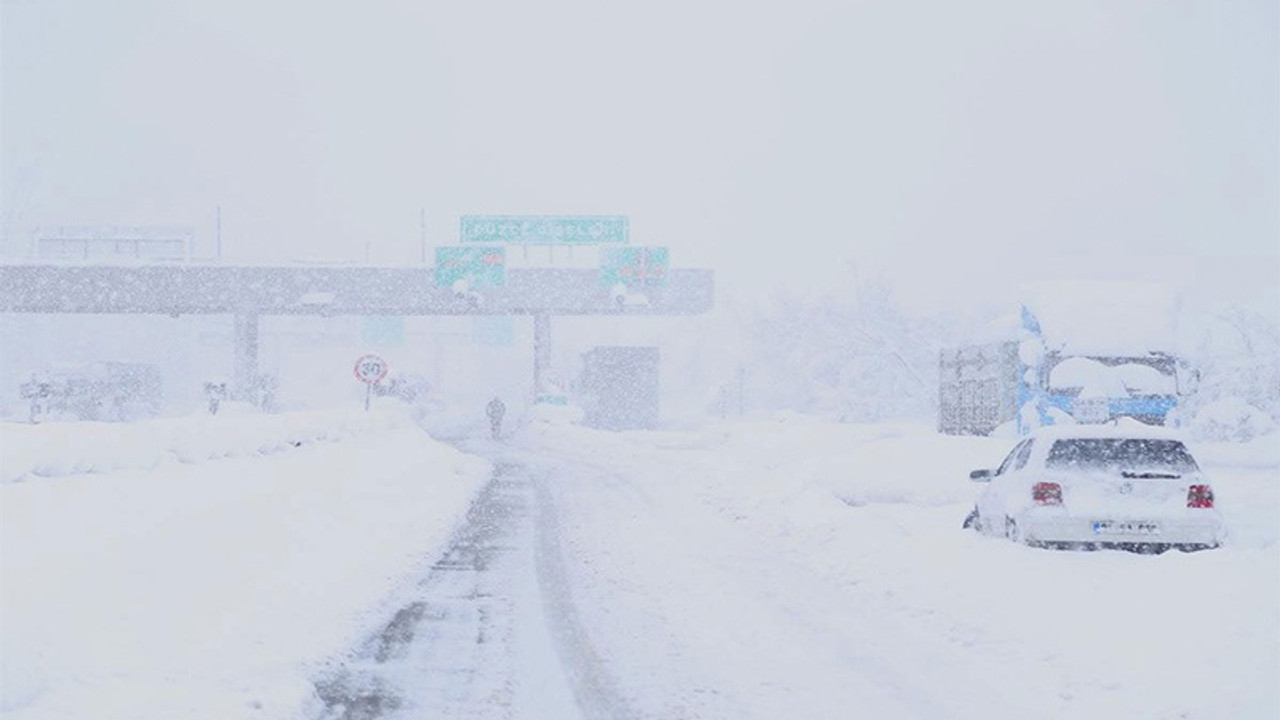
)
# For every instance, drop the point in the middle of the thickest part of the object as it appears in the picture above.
(1017, 479)
(992, 502)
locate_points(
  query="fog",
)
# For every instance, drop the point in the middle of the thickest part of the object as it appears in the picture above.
(941, 155)
(939, 375)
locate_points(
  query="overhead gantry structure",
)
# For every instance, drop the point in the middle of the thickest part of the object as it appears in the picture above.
(249, 292)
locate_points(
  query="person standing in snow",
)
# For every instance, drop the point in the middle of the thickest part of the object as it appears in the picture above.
(495, 410)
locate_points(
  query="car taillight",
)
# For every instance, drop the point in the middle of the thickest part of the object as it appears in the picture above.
(1200, 496)
(1046, 493)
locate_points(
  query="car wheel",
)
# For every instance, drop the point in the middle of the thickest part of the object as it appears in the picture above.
(1011, 530)
(973, 521)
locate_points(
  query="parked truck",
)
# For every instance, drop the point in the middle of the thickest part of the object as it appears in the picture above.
(619, 388)
(1086, 366)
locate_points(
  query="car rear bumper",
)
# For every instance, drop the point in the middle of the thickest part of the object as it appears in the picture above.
(1126, 532)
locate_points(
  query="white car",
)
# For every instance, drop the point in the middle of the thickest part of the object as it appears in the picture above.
(1130, 486)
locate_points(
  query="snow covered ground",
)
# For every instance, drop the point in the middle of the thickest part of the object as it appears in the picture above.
(807, 570)
(777, 567)
(203, 567)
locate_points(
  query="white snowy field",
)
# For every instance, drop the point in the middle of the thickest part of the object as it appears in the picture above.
(802, 569)
(204, 567)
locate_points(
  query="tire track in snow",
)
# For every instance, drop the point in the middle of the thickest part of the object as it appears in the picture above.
(878, 658)
(593, 686)
(491, 632)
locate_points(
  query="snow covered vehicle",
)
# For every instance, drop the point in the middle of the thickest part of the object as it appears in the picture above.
(99, 391)
(986, 386)
(1069, 364)
(619, 388)
(1123, 485)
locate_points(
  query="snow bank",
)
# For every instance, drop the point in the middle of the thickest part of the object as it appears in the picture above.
(53, 449)
(1232, 419)
(212, 587)
(1261, 453)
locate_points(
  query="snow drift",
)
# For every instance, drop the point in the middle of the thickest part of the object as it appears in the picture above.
(202, 567)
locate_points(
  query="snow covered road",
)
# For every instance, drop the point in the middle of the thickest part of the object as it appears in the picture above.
(767, 569)
(721, 579)
(491, 631)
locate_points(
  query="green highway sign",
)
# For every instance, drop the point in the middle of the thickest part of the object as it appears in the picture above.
(481, 267)
(383, 330)
(493, 330)
(546, 229)
(634, 267)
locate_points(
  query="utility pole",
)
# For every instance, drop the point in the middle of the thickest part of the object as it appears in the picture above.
(217, 230)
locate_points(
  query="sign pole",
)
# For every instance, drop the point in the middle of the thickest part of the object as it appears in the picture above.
(541, 350)
(422, 233)
(370, 370)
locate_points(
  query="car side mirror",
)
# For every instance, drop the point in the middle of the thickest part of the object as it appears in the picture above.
(980, 476)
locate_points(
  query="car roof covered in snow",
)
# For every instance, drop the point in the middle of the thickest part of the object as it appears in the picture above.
(1120, 429)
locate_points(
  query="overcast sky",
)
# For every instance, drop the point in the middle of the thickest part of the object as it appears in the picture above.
(946, 147)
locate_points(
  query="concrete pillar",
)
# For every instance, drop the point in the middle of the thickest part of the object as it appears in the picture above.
(541, 351)
(244, 368)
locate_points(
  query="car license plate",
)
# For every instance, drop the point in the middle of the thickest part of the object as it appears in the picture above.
(1091, 411)
(1126, 527)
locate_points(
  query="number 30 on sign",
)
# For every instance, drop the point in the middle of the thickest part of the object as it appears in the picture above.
(370, 369)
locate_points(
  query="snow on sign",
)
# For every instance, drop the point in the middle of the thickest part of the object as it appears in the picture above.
(480, 267)
(370, 369)
(634, 266)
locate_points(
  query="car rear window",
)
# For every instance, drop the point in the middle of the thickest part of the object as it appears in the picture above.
(1124, 455)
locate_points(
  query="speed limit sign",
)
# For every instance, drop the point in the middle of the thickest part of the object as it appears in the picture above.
(370, 369)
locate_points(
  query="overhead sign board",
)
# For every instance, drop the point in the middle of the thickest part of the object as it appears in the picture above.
(480, 267)
(383, 330)
(546, 229)
(493, 330)
(634, 266)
